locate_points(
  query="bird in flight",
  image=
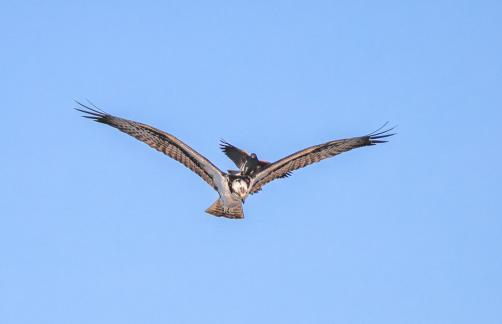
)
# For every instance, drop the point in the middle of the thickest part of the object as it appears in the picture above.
(248, 164)
(235, 186)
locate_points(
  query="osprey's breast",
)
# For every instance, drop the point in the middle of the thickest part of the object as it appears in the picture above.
(240, 187)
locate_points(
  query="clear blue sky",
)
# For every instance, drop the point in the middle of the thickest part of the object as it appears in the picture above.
(95, 227)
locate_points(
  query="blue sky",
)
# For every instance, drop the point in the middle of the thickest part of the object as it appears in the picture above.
(95, 227)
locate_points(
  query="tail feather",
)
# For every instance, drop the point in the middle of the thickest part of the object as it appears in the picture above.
(217, 209)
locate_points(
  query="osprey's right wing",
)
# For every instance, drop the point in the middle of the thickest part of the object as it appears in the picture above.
(161, 141)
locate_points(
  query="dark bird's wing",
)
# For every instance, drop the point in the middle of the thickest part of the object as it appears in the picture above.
(314, 154)
(161, 141)
(239, 157)
(235, 154)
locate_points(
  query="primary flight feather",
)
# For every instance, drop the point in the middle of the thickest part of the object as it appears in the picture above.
(233, 187)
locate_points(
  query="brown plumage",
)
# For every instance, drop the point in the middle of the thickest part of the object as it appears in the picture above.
(232, 188)
(157, 139)
(314, 154)
(216, 209)
(228, 205)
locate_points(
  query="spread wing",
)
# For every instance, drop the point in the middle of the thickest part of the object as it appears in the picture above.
(239, 157)
(235, 154)
(314, 154)
(263, 164)
(161, 141)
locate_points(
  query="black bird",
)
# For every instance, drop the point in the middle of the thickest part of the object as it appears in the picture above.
(248, 164)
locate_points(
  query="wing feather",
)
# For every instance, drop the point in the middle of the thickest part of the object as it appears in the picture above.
(239, 156)
(235, 154)
(161, 141)
(312, 155)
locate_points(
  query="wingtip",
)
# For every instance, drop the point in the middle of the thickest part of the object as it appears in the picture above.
(378, 136)
(379, 131)
(223, 142)
(224, 145)
(91, 113)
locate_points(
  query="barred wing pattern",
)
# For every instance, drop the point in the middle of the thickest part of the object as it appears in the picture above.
(161, 141)
(314, 154)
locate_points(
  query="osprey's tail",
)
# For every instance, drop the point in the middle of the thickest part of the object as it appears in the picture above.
(216, 209)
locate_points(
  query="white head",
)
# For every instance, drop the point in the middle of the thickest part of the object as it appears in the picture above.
(240, 187)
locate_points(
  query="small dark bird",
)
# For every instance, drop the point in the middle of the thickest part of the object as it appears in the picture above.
(248, 164)
(233, 187)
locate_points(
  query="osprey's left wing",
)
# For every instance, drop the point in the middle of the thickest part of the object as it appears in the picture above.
(163, 142)
(313, 154)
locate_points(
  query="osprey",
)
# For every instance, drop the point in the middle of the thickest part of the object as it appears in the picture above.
(233, 187)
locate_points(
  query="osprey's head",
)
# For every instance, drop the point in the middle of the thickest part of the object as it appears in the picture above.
(240, 187)
(253, 156)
